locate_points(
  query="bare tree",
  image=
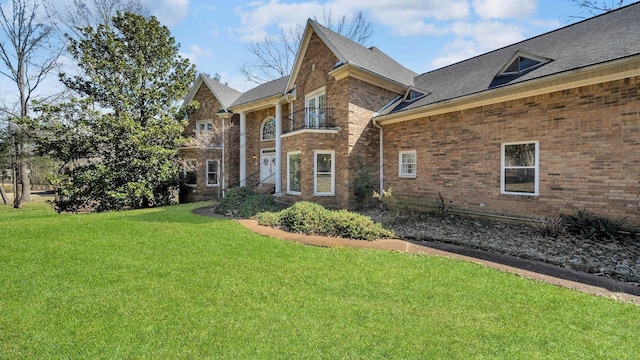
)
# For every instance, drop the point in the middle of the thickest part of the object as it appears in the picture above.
(594, 7)
(91, 13)
(274, 57)
(27, 56)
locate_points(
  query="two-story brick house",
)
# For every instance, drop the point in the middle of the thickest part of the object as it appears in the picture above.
(543, 126)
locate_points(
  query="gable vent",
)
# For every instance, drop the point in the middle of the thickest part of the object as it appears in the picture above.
(522, 62)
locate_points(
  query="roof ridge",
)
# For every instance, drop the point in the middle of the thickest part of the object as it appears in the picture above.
(534, 37)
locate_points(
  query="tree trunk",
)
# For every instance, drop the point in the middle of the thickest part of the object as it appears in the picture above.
(26, 182)
(5, 199)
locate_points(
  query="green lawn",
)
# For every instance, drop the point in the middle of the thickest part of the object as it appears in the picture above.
(163, 283)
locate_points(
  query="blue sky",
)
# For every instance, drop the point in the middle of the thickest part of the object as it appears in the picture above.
(420, 34)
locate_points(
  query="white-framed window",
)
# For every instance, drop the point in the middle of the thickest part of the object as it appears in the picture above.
(204, 128)
(190, 172)
(324, 173)
(294, 173)
(205, 133)
(316, 109)
(268, 129)
(519, 173)
(213, 171)
(407, 164)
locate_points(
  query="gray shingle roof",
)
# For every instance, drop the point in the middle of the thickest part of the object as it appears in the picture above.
(371, 59)
(271, 88)
(224, 93)
(604, 38)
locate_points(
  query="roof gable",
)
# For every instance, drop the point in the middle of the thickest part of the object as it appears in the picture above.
(225, 94)
(348, 52)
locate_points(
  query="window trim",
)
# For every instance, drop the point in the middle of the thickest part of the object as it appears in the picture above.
(184, 169)
(315, 94)
(536, 167)
(217, 172)
(315, 172)
(289, 154)
(262, 127)
(200, 122)
(401, 173)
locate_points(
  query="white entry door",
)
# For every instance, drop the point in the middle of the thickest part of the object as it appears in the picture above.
(268, 166)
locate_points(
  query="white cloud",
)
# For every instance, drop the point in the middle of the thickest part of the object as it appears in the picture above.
(473, 39)
(404, 17)
(261, 16)
(168, 12)
(196, 53)
(504, 9)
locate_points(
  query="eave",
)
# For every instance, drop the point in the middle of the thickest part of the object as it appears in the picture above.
(590, 75)
(357, 72)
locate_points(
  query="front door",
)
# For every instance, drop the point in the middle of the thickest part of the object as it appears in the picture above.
(268, 166)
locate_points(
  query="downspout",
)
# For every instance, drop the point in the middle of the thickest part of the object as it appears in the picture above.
(381, 154)
(381, 151)
(224, 160)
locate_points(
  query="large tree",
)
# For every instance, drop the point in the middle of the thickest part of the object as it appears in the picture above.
(27, 56)
(595, 7)
(274, 57)
(119, 139)
(79, 14)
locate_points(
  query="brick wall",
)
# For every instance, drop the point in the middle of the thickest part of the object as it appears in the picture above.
(209, 107)
(353, 102)
(589, 140)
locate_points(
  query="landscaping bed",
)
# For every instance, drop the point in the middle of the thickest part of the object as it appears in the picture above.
(616, 259)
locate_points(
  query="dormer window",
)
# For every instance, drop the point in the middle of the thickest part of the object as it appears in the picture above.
(413, 94)
(521, 62)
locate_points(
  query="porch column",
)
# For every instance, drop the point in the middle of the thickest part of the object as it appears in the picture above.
(243, 149)
(278, 189)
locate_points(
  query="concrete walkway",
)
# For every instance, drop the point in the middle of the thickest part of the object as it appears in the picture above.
(572, 279)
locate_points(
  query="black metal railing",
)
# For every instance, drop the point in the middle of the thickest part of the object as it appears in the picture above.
(310, 118)
(253, 180)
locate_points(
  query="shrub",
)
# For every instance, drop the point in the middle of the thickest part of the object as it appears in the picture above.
(355, 226)
(388, 200)
(244, 202)
(594, 227)
(313, 219)
(363, 183)
(268, 218)
(549, 226)
(305, 217)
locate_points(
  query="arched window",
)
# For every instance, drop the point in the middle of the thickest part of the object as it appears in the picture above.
(268, 129)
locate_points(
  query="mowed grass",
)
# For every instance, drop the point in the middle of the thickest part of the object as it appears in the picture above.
(164, 283)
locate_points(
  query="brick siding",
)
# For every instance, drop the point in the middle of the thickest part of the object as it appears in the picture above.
(589, 140)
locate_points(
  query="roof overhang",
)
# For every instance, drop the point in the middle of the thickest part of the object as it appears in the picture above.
(355, 71)
(256, 105)
(590, 75)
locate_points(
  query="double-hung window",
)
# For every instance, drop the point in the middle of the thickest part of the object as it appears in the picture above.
(316, 109)
(190, 172)
(294, 172)
(324, 173)
(407, 161)
(520, 168)
(213, 169)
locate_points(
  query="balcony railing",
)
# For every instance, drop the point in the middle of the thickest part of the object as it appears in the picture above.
(311, 118)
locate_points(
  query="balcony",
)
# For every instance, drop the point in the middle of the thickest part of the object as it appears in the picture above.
(310, 118)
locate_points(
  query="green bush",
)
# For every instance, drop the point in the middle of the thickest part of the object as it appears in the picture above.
(267, 218)
(244, 202)
(355, 226)
(313, 219)
(594, 227)
(306, 218)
